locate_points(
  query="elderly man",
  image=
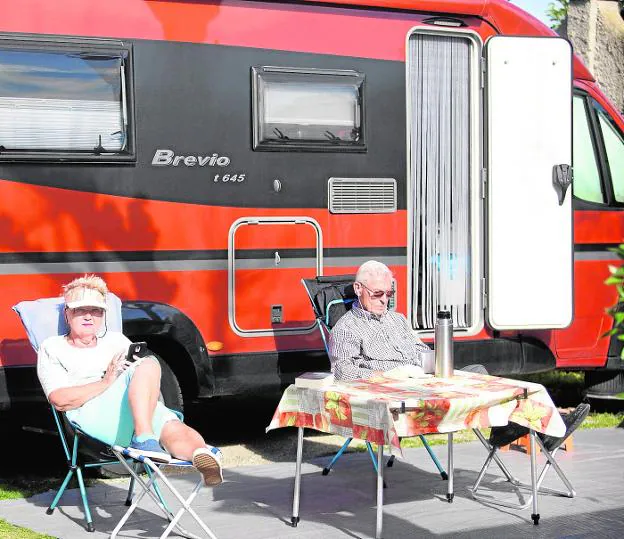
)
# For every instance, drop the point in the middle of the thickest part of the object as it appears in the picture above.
(370, 339)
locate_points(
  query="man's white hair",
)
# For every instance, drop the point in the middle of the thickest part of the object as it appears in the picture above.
(372, 269)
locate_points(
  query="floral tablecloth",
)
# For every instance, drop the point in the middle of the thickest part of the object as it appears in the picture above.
(372, 409)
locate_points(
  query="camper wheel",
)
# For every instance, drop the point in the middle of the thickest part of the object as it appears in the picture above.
(605, 385)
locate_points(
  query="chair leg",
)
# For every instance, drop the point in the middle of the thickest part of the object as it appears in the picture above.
(156, 488)
(328, 468)
(570, 493)
(434, 458)
(131, 489)
(128, 501)
(496, 458)
(60, 492)
(374, 458)
(85, 501)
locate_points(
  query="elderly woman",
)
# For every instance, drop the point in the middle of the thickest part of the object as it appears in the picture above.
(85, 373)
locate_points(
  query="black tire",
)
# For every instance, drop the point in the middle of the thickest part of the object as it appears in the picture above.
(605, 390)
(605, 384)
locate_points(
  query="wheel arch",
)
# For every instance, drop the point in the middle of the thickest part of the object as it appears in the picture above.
(175, 338)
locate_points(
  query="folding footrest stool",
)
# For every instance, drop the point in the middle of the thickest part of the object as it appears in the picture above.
(151, 488)
(550, 445)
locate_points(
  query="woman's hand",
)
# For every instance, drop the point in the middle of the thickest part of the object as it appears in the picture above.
(115, 368)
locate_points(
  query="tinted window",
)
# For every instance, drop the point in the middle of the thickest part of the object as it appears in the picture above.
(614, 147)
(62, 102)
(306, 109)
(587, 184)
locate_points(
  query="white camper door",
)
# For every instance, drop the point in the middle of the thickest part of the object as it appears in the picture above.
(530, 242)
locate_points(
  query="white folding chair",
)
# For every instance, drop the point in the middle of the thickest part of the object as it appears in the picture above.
(44, 318)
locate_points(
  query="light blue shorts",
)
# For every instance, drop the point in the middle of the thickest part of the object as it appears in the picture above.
(108, 417)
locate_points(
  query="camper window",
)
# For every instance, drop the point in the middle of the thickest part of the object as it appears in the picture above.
(587, 185)
(614, 147)
(62, 102)
(308, 109)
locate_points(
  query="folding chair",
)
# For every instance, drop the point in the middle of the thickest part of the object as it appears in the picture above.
(331, 297)
(44, 318)
(550, 445)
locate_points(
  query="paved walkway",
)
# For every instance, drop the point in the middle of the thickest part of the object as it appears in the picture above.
(256, 501)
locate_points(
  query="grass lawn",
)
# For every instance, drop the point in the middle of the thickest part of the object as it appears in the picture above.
(25, 487)
(8, 531)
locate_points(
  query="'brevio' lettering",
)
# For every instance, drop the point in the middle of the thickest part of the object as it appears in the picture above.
(165, 158)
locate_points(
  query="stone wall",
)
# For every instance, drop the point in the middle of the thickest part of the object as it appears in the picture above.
(596, 31)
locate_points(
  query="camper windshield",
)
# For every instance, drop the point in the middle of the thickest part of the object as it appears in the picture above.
(614, 146)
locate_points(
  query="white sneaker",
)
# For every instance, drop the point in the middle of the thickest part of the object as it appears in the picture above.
(207, 461)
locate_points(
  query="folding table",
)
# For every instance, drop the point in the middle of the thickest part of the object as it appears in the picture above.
(381, 410)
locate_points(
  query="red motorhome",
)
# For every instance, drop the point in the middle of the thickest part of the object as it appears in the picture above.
(205, 156)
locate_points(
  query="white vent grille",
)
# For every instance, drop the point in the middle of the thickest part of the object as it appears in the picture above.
(362, 195)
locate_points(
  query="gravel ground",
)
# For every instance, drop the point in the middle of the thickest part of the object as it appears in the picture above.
(279, 447)
(237, 425)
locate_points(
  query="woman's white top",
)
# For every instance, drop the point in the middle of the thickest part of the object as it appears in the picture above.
(59, 364)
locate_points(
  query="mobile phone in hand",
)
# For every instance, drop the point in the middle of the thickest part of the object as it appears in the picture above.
(136, 349)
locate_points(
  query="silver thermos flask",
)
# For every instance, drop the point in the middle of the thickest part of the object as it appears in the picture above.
(444, 345)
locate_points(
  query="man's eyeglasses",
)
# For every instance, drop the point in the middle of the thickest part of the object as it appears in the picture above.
(377, 294)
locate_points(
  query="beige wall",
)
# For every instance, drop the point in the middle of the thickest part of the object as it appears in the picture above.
(596, 31)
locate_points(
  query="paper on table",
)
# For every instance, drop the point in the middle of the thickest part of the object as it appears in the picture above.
(405, 371)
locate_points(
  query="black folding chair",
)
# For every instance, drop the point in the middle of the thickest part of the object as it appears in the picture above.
(550, 445)
(331, 297)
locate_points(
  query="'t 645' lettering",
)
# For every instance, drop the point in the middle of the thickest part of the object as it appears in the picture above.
(238, 178)
(165, 158)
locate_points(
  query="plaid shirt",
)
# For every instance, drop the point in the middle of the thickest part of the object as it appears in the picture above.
(362, 343)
